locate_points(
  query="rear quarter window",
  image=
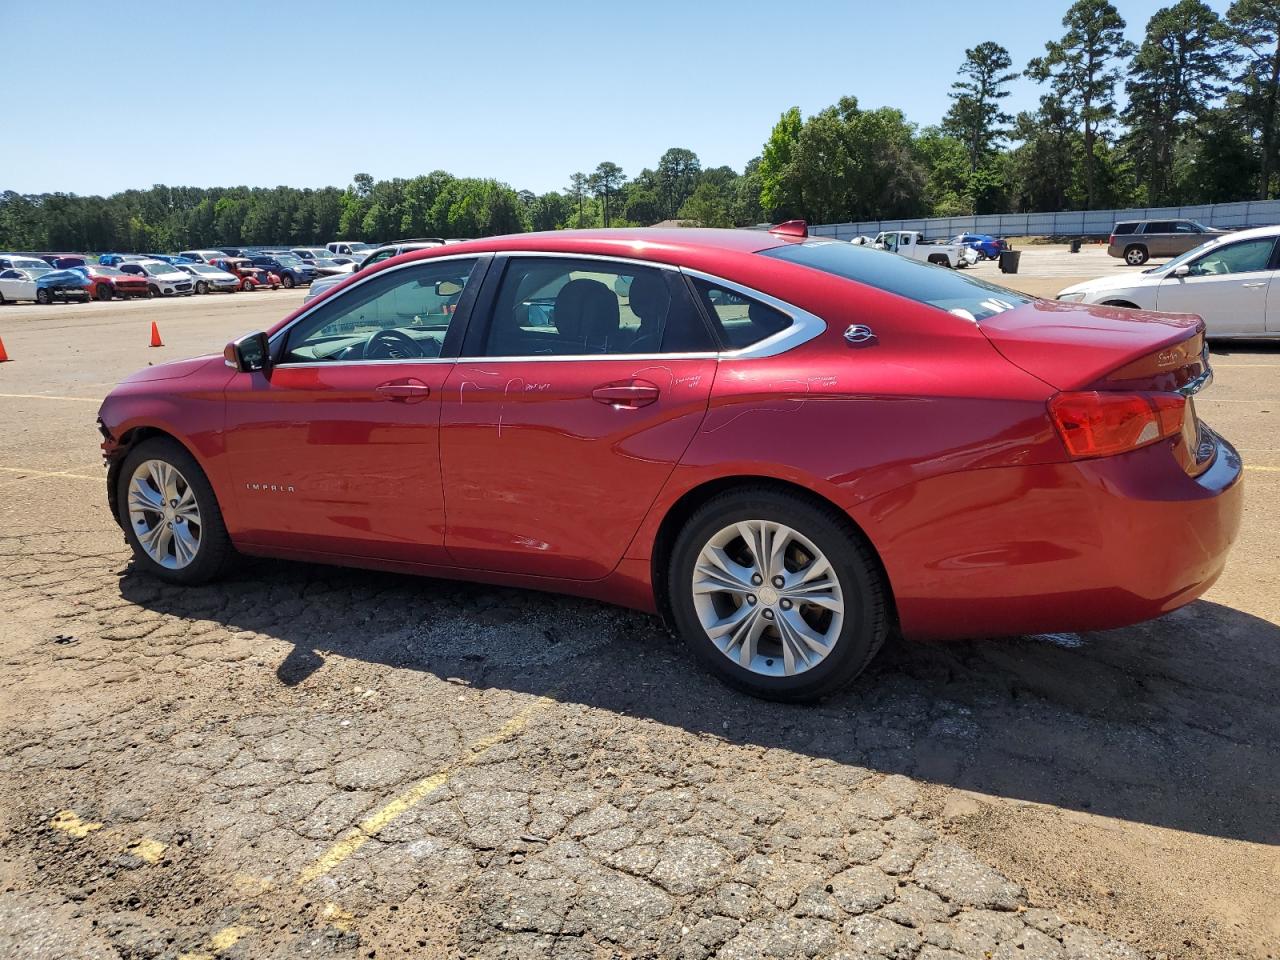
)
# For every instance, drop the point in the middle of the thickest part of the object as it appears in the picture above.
(1124, 228)
(936, 286)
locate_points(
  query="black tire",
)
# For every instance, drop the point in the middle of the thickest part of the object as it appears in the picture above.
(861, 581)
(215, 551)
(202, 287)
(246, 284)
(44, 297)
(1135, 255)
(152, 291)
(940, 260)
(288, 281)
(102, 292)
(3, 301)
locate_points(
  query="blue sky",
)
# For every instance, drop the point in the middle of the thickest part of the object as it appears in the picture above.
(307, 94)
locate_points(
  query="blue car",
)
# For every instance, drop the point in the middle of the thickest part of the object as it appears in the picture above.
(64, 285)
(169, 258)
(988, 247)
(292, 270)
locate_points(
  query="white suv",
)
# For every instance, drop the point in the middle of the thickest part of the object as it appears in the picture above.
(163, 279)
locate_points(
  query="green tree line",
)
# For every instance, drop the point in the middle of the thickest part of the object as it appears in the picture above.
(1188, 115)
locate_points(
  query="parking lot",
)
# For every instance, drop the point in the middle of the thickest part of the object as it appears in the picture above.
(303, 761)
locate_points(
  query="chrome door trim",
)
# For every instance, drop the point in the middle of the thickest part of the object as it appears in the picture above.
(805, 326)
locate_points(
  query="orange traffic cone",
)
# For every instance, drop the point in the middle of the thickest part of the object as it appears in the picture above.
(155, 335)
(4, 357)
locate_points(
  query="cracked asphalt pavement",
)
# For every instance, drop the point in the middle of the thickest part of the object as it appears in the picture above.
(303, 761)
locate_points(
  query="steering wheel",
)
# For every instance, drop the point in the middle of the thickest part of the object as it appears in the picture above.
(392, 345)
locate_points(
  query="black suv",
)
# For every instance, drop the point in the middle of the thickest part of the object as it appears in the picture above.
(293, 271)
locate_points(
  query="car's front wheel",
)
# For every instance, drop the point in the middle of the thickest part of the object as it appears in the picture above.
(44, 297)
(170, 514)
(287, 280)
(201, 287)
(778, 595)
(102, 292)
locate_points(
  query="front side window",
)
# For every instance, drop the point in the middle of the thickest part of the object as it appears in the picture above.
(398, 315)
(566, 307)
(1247, 256)
(956, 293)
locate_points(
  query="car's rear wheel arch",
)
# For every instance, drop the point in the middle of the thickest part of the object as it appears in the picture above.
(1120, 303)
(691, 500)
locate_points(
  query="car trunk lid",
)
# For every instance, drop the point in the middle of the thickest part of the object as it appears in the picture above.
(1077, 347)
(1109, 359)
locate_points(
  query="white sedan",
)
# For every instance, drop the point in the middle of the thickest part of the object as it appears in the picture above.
(17, 285)
(1232, 281)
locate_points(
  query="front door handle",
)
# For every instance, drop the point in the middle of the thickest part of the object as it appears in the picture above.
(406, 390)
(1258, 283)
(626, 393)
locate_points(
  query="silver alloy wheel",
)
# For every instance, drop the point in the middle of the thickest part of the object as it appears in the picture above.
(768, 598)
(164, 514)
(1136, 257)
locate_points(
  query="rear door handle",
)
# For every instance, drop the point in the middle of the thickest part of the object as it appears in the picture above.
(408, 389)
(627, 393)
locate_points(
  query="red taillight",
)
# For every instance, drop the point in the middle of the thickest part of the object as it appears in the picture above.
(1097, 424)
(1111, 239)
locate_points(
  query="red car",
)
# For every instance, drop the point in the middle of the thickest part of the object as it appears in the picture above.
(788, 447)
(251, 277)
(111, 282)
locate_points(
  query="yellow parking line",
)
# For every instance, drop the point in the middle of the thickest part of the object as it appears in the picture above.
(1253, 466)
(46, 396)
(26, 473)
(370, 826)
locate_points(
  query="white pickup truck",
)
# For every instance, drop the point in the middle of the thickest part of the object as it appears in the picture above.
(908, 243)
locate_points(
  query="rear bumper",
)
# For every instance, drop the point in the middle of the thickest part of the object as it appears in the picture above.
(1088, 545)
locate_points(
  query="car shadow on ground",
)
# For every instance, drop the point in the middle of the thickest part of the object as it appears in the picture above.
(1171, 723)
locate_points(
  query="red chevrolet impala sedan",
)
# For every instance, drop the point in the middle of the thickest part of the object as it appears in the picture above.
(789, 447)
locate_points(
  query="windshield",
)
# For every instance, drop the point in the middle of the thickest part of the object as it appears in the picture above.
(357, 247)
(936, 286)
(288, 259)
(203, 268)
(157, 269)
(24, 263)
(109, 272)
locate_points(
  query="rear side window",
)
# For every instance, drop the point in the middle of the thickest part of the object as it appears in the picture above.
(1124, 228)
(1160, 226)
(961, 295)
(739, 321)
(558, 307)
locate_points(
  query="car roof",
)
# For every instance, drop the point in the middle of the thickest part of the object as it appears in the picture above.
(644, 243)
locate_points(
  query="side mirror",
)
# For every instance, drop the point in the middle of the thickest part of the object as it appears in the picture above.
(1181, 270)
(249, 353)
(448, 288)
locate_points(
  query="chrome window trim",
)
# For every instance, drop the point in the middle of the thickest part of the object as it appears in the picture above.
(805, 326)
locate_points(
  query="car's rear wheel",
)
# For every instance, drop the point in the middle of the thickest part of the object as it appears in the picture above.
(778, 595)
(102, 292)
(170, 514)
(1136, 255)
(201, 287)
(44, 296)
(287, 281)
